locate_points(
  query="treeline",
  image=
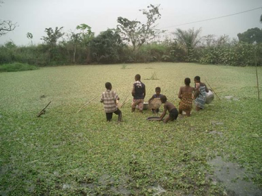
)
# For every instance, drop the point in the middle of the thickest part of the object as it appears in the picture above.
(108, 48)
(135, 42)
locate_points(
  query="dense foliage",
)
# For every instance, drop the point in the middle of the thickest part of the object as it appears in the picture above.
(135, 42)
(107, 47)
(16, 67)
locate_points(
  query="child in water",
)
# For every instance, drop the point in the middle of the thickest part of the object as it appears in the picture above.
(173, 113)
(109, 98)
(155, 98)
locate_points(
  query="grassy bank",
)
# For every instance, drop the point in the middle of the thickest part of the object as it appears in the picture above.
(66, 152)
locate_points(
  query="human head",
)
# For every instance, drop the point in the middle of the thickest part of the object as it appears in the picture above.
(163, 99)
(197, 79)
(137, 77)
(187, 81)
(108, 85)
(157, 90)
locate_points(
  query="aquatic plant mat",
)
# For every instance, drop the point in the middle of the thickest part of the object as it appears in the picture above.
(66, 152)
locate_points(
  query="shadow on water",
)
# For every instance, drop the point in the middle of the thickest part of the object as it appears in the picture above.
(235, 179)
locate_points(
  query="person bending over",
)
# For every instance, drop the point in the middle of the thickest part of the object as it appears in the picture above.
(173, 113)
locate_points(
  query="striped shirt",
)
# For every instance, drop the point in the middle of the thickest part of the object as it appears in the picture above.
(109, 99)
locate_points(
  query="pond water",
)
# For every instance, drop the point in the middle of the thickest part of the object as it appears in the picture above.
(232, 176)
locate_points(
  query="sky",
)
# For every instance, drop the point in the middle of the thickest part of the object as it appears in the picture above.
(35, 15)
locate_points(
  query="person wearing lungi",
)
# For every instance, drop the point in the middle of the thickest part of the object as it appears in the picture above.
(138, 93)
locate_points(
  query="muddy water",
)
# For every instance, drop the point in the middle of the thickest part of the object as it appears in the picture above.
(232, 176)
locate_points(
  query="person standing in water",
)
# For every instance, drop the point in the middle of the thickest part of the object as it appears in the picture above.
(200, 93)
(138, 93)
(186, 96)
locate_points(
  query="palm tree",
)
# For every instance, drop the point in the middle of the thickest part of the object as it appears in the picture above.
(188, 39)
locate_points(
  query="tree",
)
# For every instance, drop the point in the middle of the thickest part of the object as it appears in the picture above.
(136, 32)
(29, 36)
(251, 36)
(188, 39)
(86, 35)
(107, 47)
(52, 35)
(6, 26)
(51, 41)
(73, 43)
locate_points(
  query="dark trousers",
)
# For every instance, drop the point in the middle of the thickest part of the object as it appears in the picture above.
(110, 115)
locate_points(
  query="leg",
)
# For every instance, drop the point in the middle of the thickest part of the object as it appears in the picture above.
(119, 113)
(188, 112)
(173, 115)
(134, 103)
(141, 105)
(180, 111)
(166, 119)
(198, 108)
(109, 116)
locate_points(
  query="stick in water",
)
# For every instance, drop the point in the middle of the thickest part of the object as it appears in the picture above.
(43, 110)
(86, 104)
(124, 101)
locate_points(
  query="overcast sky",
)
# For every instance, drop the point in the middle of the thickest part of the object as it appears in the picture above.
(35, 15)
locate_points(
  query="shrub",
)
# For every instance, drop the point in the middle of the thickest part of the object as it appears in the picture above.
(16, 67)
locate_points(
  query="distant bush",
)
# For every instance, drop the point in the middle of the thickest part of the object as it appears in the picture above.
(13, 67)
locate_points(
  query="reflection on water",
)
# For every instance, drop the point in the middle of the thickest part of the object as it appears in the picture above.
(232, 176)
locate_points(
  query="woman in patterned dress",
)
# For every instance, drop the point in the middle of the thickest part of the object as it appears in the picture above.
(186, 96)
(200, 93)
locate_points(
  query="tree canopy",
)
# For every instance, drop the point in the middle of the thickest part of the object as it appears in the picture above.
(251, 36)
(138, 33)
(52, 35)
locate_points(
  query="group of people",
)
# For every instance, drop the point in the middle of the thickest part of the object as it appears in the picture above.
(186, 95)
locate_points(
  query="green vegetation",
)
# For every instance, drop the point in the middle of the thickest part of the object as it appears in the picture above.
(133, 41)
(65, 152)
(16, 67)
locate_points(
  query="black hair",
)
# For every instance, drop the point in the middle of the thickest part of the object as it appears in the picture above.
(137, 77)
(197, 78)
(187, 81)
(163, 99)
(108, 85)
(158, 89)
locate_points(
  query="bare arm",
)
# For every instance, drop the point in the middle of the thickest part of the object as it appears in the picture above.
(180, 93)
(133, 91)
(206, 88)
(197, 92)
(102, 99)
(163, 114)
(145, 92)
(151, 98)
